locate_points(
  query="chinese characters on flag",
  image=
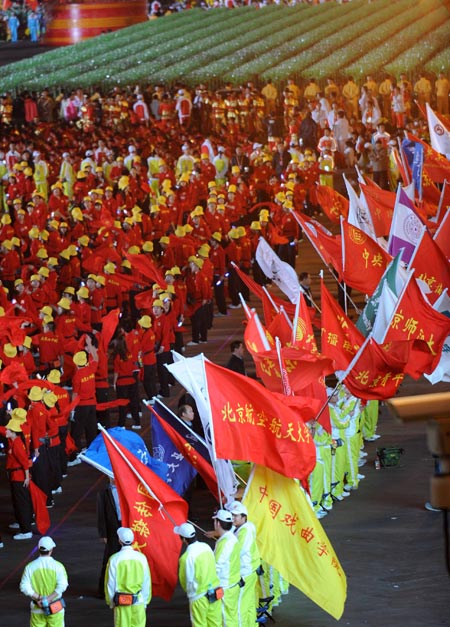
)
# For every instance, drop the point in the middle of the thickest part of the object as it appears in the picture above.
(250, 423)
(292, 540)
(143, 513)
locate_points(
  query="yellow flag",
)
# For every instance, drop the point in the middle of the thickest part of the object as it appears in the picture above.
(292, 540)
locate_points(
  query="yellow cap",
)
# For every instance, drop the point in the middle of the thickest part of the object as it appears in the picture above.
(80, 358)
(35, 393)
(145, 322)
(10, 350)
(54, 376)
(64, 303)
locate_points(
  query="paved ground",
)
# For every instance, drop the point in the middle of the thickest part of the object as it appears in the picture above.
(11, 52)
(391, 548)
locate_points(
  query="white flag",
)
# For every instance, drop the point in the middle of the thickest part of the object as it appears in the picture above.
(280, 272)
(191, 374)
(358, 211)
(439, 134)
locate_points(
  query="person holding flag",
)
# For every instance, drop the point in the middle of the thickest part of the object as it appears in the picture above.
(128, 584)
(250, 563)
(198, 578)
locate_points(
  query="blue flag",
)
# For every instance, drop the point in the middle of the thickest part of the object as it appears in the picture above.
(97, 456)
(414, 155)
(180, 471)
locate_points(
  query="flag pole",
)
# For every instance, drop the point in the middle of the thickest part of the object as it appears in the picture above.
(346, 373)
(272, 302)
(133, 469)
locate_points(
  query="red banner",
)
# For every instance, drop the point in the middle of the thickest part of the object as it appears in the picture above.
(251, 424)
(152, 525)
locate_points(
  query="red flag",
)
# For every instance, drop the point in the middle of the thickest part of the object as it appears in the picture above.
(340, 338)
(151, 509)
(256, 336)
(364, 261)
(436, 166)
(333, 203)
(256, 289)
(147, 267)
(109, 326)
(71, 447)
(39, 500)
(414, 320)
(381, 206)
(203, 467)
(431, 265)
(250, 423)
(327, 245)
(372, 377)
(442, 235)
(280, 328)
(144, 300)
(302, 333)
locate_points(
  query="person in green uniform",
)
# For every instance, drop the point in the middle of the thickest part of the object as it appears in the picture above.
(128, 584)
(250, 563)
(228, 566)
(44, 580)
(198, 578)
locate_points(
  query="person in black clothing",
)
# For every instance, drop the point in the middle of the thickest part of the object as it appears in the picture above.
(305, 285)
(108, 522)
(236, 361)
(280, 160)
(308, 132)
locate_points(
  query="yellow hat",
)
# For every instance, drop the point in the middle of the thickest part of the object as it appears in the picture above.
(100, 279)
(33, 232)
(234, 234)
(212, 184)
(196, 260)
(15, 241)
(54, 376)
(35, 393)
(83, 240)
(69, 290)
(77, 214)
(65, 254)
(147, 246)
(126, 264)
(188, 228)
(28, 172)
(47, 319)
(50, 399)
(10, 350)
(18, 282)
(164, 240)
(35, 277)
(54, 224)
(154, 209)
(83, 292)
(18, 413)
(158, 303)
(15, 424)
(235, 169)
(46, 310)
(145, 322)
(290, 186)
(255, 226)
(175, 270)
(52, 261)
(109, 267)
(232, 189)
(203, 251)
(198, 211)
(64, 303)
(179, 231)
(27, 342)
(288, 204)
(134, 250)
(170, 289)
(264, 215)
(124, 181)
(241, 230)
(217, 236)
(45, 272)
(80, 358)
(6, 218)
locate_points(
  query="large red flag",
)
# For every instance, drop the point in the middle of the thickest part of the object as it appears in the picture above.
(364, 261)
(200, 464)
(372, 377)
(332, 202)
(340, 338)
(416, 322)
(251, 424)
(39, 500)
(151, 509)
(302, 332)
(436, 166)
